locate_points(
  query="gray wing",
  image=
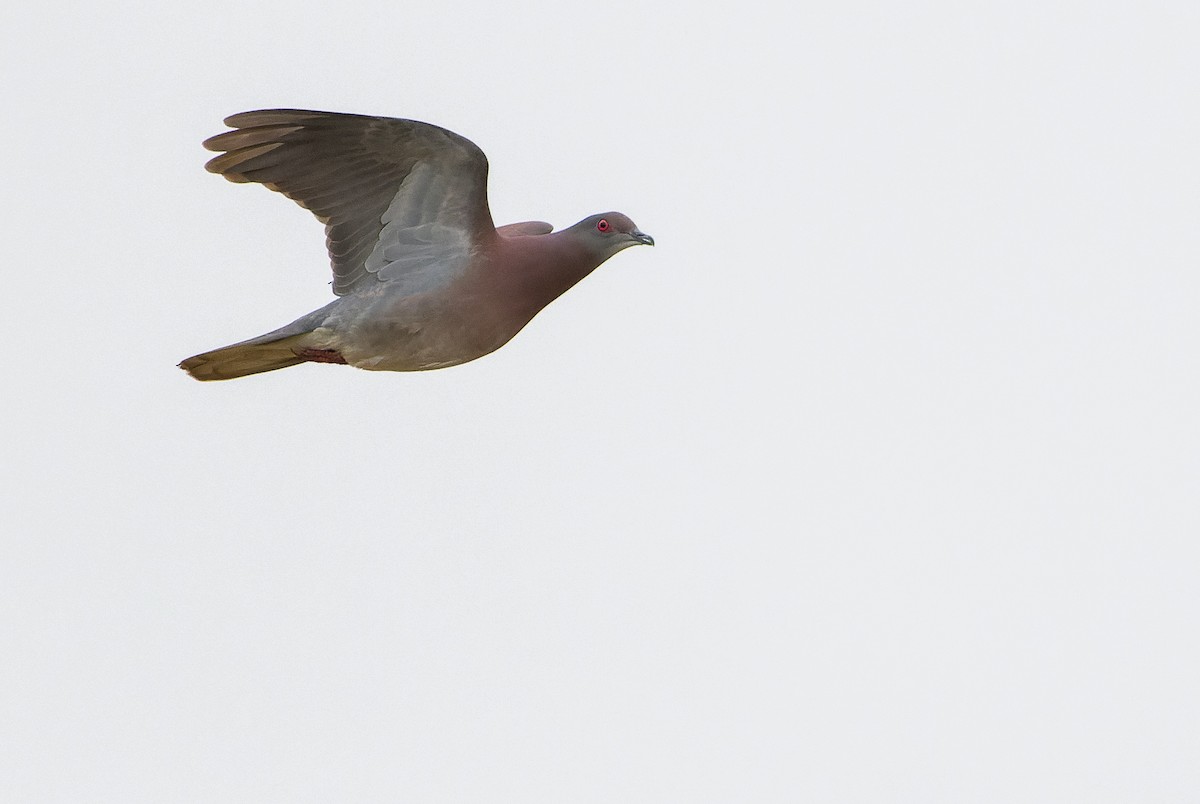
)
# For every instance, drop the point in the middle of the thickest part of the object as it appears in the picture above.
(399, 199)
(524, 229)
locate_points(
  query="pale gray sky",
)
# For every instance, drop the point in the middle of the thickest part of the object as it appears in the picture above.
(876, 480)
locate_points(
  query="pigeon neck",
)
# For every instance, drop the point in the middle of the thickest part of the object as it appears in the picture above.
(543, 268)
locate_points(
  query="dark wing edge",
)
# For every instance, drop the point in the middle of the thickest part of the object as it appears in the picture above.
(347, 169)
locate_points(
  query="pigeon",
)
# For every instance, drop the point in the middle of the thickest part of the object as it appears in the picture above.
(422, 277)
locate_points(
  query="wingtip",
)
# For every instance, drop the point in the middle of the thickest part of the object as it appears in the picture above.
(261, 117)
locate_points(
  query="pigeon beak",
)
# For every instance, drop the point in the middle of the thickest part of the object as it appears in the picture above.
(642, 237)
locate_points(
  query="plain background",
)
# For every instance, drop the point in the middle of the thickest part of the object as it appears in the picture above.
(875, 481)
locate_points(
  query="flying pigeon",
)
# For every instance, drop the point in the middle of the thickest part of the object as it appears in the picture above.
(424, 279)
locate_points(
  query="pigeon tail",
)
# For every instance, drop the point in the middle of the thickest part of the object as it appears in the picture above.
(250, 357)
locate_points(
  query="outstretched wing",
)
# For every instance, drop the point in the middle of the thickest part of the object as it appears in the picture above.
(399, 199)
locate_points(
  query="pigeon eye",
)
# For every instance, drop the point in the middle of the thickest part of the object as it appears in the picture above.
(603, 225)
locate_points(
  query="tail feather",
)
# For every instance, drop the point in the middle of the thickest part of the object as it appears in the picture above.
(243, 359)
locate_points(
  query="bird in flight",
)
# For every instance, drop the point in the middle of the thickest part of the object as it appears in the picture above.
(423, 278)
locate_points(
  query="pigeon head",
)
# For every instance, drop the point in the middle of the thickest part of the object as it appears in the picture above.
(609, 232)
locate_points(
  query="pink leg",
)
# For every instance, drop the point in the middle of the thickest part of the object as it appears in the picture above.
(320, 355)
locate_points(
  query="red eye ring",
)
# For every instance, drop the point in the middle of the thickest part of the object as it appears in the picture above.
(603, 225)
